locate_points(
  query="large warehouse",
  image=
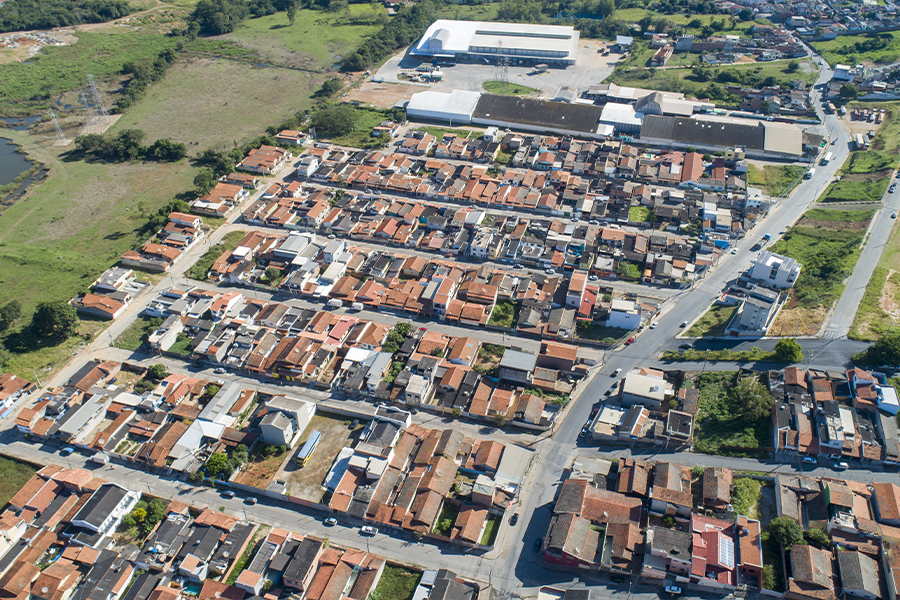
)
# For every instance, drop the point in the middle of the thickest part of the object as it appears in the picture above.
(481, 40)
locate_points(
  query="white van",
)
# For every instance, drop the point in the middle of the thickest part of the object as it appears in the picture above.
(357, 306)
(100, 459)
(335, 303)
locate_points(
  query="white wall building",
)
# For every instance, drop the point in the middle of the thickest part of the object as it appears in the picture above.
(775, 271)
(623, 314)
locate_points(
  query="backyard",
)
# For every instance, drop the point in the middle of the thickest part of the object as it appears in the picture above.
(261, 468)
(505, 314)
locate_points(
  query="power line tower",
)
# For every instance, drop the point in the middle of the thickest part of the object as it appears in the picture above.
(502, 70)
(60, 136)
(96, 98)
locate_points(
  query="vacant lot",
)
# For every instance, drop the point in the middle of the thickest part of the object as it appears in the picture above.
(870, 161)
(306, 482)
(713, 322)
(200, 269)
(719, 430)
(210, 103)
(872, 48)
(879, 310)
(775, 180)
(260, 470)
(828, 249)
(396, 583)
(848, 190)
(13, 475)
(137, 333)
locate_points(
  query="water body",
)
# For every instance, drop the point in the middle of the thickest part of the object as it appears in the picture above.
(11, 162)
(19, 124)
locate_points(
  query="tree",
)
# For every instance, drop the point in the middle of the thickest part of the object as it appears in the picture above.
(745, 15)
(55, 319)
(205, 180)
(751, 399)
(272, 275)
(332, 86)
(849, 91)
(291, 11)
(166, 150)
(212, 389)
(786, 532)
(499, 420)
(768, 577)
(789, 350)
(335, 121)
(793, 66)
(9, 314)
(818, 537)
(217, 463)
(158, 371)
(139, 514)
(886, 351)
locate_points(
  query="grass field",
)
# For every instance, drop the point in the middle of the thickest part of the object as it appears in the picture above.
(317, 40)
(713, 322)
(856, 191)
(508, 88)
(638, 214)
(752, 355)
(775, 180)
(828, 250)
(879, 310)
(396, 583)
(844, 49)
(633, 15)
(474, 12)
(209, 103)
(137, 333)
(870, 161)
(13, 475)
(717, 425)
(200, 268)
(32, 86)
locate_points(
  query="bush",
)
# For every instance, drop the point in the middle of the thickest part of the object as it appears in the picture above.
(157, 371)
(786, 532)
(789, 350)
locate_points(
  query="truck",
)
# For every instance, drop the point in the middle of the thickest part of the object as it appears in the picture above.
(827, 158)
(809, 174)
(308, 448)
(843, 110)
(335, 303)
(767, 237)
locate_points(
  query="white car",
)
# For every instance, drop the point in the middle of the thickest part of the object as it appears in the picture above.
(654, 325)
(368, 530)
(734, 250)
(810, 460)
(673, 589)
(617, 372)
(841, 466)
(330, 521)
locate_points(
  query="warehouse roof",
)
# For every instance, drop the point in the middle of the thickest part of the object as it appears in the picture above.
(448, 37)
(455, 103)
(540, 113)
(780, 138)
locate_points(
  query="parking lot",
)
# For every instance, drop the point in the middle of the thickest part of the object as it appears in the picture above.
(590, 69)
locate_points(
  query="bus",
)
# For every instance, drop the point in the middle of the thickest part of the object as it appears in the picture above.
(827, 158)
(308, 448)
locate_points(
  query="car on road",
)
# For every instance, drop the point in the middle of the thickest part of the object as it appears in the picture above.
(612, 389)
(654, 325)
(538, 544)
(673, 589)
(685, 346)
(583, 432)
(368, 530)
(220, 371)
(894, 216)
(514, 519)
(330, 521)
(810, 460)
(892, 189)
(617, 579)
(734, 250)
(841, 466)
(251, 500)
(594, 222)
(684, 324)
(593, 278)
(228, 494)
(67, 451)
(617, 372)
(549, 271)
(629, 341)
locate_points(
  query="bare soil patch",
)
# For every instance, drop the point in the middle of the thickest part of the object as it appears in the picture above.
(797, 321)
(884, 173)
(306, 482)
(383, 95)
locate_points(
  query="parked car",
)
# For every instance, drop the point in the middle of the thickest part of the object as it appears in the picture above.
(549, 271)
(894, 215)
(654, 325)
(841, 466)
(685, 346)
(673, 589)
(734, 250)
(228, 494)
(583, 432)
(617, 372)
(368, 530)
(220, 371)
(629, 341)
(514, 519)
(67, 451)
(684, 323)
(538, 543)
(251, 500)
(330, 521)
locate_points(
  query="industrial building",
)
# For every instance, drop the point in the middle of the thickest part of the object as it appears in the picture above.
(481, 40)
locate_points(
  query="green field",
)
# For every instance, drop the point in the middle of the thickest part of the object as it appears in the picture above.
(137, 333)
(13, 475)
(883, 291)
(473, 12)
(887, 137)
(775, 180)
(852, 49)
(717, 425)
(32, 86)
(633, 15)
(638, 214)
(869, 161)
(856, 191)
(396, 583)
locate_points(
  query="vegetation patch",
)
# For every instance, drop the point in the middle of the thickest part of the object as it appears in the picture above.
(877, 48)
(491, 527)
(396, 583)
(745, 495)
(733, 414)
(13, 475)
(505, 314)
(870, 161)
(638, 214)
(775, 180)
(200, 269)
(137, 333)
(713, 322)
(508, 88)
(856, 191)
(593, 330)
